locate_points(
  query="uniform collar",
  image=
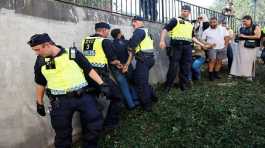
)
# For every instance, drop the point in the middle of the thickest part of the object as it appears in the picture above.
(183, 18)
(62, 50)
(96, 35)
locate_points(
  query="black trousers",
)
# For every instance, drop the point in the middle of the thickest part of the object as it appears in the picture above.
(62, 111)
(180, 61)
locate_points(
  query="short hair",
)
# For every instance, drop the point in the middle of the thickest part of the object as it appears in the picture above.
(247, 17)
(213, 18)
(115, 32)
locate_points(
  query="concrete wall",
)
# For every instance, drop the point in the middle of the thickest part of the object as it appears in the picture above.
(21, 126)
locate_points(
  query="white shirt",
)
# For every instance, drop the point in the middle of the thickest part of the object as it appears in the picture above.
(215, 36)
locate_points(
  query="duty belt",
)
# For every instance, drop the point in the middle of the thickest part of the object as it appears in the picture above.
(181, 38)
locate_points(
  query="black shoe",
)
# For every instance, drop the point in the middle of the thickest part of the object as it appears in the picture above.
(211, 76)
(167, 89)
(216, 75)
(189, 84)
(183, 87)
(147, 108)
(154, 98)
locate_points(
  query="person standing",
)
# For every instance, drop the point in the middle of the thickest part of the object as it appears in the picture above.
(181, 33)
(141, 46)
(219, 38)
(61, 73)
(149, 8)
(120, 46)
(245, 57)
(99, 52)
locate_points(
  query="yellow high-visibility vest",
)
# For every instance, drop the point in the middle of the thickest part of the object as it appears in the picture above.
(67, 76)
(147, 44)
(182, 31)
(93, 51)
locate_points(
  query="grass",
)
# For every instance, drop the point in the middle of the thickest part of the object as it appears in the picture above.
(221, 114)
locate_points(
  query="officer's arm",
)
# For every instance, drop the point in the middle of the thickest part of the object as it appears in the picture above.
(138, 36)
(84, 64)
(195, 40)
(136, 39)
(168, 27)
(40, 80)
(40, 89)
(108, 50)
(94, 76)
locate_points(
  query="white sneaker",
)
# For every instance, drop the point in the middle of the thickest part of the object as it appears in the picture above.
(249, 79)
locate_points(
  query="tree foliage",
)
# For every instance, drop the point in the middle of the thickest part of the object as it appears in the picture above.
(244, 7)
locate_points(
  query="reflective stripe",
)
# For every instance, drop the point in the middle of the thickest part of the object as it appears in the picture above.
(63, 92)
(66, 76)
(182, 31)
(98, 65)
(93, 50)
(146, 44)
(149, 51)
(181, 39)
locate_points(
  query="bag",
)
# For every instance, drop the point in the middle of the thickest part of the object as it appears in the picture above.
(250, 44)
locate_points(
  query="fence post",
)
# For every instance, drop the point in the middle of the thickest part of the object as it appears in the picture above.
(163, 16)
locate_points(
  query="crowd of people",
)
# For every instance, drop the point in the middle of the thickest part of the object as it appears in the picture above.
(73, 79)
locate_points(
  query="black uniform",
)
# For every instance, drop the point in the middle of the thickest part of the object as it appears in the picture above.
(112, 118)
(64, 106)
(144, 62)
(180, 59)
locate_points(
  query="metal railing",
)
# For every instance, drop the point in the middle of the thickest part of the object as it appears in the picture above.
(153, 10)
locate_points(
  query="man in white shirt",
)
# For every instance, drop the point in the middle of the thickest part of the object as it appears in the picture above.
(218, 37)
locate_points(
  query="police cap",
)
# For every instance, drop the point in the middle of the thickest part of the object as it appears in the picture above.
(102, 25)
(138, 18)
(186, 7)
(38, 39)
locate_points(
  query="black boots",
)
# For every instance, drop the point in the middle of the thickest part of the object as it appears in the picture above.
(211, 76)
(214, 75)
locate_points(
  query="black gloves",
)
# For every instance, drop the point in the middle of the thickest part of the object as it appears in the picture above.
(41, 109)
(104, 88)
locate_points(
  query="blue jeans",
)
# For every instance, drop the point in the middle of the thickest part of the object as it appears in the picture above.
(196, 68)
(127, 91)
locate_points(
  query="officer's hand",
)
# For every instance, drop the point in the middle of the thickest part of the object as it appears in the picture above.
(104, 88)
(115, 62)
(125, 68)
(119, 66)
(41, 109)
(162, 44)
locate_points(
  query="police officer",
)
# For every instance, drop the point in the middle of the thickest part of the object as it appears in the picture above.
(181, 33)
(141, 46)
(98, 50)
(60, 72)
